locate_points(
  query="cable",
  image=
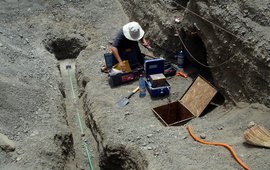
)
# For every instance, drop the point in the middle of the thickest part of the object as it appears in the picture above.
(218, 144)
(229, 32)
(80, 122)
(201, 62)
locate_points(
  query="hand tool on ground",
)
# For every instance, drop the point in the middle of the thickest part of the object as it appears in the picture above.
(124, 101)
(219, 144)
(258, 135)
(180, 73)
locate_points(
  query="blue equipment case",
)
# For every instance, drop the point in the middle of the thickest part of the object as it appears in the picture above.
(155, 66)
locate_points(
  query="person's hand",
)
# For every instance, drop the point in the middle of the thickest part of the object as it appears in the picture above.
(146, 44)
(122, 66)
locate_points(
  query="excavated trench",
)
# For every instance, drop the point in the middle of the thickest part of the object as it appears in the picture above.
(80, 121)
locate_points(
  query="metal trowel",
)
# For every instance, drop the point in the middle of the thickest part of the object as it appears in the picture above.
(125, 100)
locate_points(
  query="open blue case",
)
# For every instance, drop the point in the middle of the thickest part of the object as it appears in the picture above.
(155, 66)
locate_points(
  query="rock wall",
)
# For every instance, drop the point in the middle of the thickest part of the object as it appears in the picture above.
(233, 37)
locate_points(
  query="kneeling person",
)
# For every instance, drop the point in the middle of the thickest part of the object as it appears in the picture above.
(125, 46)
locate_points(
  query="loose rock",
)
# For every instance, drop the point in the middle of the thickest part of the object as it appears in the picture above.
(18, 159)
(251, 124)
(6, 144)
(202, 136)
(149, 135)
(184, 137)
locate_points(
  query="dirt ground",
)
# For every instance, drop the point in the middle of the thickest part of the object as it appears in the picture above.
(34, 95)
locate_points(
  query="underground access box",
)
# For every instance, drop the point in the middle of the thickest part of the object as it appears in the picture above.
(191, 105)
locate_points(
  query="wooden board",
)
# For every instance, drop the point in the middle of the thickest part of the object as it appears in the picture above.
(198, 96)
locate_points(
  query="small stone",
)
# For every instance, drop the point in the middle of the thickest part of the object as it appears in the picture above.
(18, 158)
(6, 144)
(149, 148)
(34, 133)
(251, 124)
(20, 152)
(158, 130)
(144, 144)
(245, 11)
(184, 137)
(202, 136)
(149, 135)
(156, 154)
(110, 42)
(103, 47)
(220, 128)
(127, 113)
(138, 138)
(1, 45)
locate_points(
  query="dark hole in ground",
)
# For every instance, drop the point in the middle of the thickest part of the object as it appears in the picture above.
(173, 114)
(84, 83)
(66, 143)
(65, 48)
(197, 63)
(122, 158)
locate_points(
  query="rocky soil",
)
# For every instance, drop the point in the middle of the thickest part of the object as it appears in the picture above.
(34, 128)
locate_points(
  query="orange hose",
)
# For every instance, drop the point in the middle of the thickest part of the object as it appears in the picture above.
(218, 144)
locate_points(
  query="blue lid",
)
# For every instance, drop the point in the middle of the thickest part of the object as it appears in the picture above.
(154, 66)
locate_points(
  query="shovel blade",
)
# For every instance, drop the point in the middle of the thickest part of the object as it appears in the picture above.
(122, 102)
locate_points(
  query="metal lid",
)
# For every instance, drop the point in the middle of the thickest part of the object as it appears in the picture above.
(154, 66)
(198, 96)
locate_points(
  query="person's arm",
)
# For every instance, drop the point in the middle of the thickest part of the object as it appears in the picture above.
(117, 44)
(118, 58)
